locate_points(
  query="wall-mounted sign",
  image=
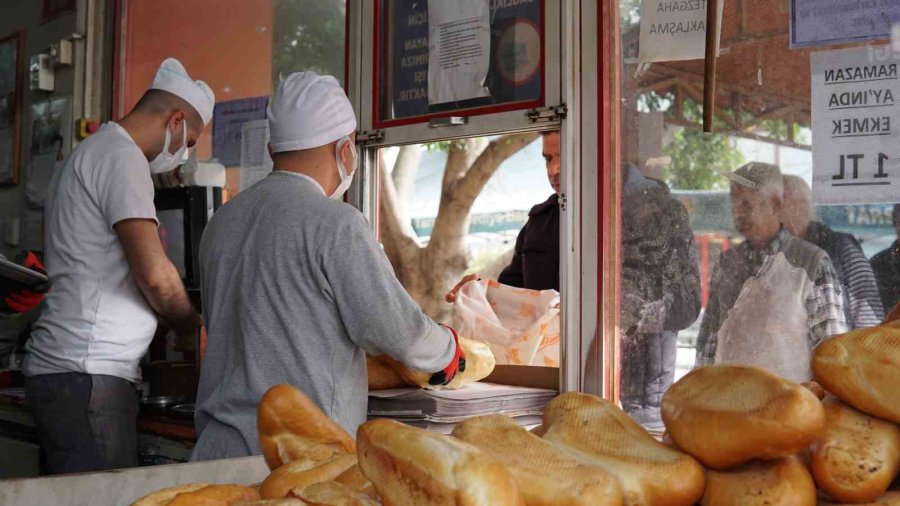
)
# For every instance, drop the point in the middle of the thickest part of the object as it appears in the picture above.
(514, 58)
(829, 22)
(856, 126)
(228, 122)
(674, 30)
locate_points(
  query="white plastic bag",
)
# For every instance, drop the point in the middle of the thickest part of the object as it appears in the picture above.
(521, 326)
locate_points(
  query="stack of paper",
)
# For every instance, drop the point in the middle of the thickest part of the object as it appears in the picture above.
(442, 410)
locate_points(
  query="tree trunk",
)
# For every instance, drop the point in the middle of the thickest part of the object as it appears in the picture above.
(428, 273)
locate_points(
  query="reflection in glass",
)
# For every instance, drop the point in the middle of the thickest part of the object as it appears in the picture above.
(478, 208)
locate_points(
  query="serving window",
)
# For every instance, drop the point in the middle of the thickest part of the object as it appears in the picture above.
(754, 241)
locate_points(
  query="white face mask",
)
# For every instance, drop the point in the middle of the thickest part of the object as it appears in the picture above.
(165, 161)
(346, 176)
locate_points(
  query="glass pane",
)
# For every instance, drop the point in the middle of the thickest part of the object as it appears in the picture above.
(724, 257)
(514, 67)
(450, 209)
(240, 48)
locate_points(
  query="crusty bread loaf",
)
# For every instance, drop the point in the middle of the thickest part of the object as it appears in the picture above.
(858, 456)
(354, 478)
(332, 493)
(300, 474)
(545, 473)
(783, 482)
(480, 363)
(284, 501)
(382, 375)
(165, 496)
(414, 467)
(862, 368)
(889, 499)
(291, 426)
(726, 415)
(649, 472)
(815, 388)
(198, 494)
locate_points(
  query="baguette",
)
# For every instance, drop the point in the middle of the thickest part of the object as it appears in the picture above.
(857, 457)
(783, 482)
(291, 427)
(727, 415)
(414, 467)
(862, 368)
(381, 374)
(889, 499)
(354, 478)
(198, 494)
(649, 472)
(300, 473)
(480, 363)
(331, 493)
(546, 474)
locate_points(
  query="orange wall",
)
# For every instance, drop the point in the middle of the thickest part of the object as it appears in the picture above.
(227, 43)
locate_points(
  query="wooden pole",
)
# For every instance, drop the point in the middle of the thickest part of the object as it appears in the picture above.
(709, 72)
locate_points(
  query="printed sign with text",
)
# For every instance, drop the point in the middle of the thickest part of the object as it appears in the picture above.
(855, 122)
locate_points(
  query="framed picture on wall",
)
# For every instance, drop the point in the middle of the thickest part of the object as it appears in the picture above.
(55, 8)
(11, 89)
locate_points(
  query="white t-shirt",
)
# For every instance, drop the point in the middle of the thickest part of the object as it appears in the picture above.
(95, 319)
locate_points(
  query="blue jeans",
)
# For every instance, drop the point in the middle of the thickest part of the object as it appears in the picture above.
(85, 422)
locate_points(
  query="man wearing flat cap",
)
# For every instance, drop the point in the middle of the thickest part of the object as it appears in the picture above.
(110, 278)
(296, 288)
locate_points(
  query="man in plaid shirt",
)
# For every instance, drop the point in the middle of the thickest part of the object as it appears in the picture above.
(774, 297)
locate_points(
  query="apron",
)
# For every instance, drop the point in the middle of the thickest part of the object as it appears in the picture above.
(767, 326)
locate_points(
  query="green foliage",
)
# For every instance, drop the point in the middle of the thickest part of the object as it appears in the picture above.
(629, 13)
(698, 159)
(308, 35)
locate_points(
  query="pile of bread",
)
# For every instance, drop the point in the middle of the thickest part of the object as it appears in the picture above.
(739, 436)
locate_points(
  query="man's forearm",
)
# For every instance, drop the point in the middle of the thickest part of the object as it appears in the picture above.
(167, 296)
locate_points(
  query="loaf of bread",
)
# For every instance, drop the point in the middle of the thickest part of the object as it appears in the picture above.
(815, 388)
(300, 473)
(198, 494)
(889, 499)
(331, 493)
(858, 456)
(354, 478)
(545, 473)
(862, 368)
(726, 415)
(649, 472)
(382, 375)
(284, 501)
(291, 427)
(414, 467)
(480, 363)
(782, 482)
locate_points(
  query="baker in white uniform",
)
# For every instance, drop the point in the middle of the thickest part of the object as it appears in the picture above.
(110, 278)
(296, 288)
(774, 297)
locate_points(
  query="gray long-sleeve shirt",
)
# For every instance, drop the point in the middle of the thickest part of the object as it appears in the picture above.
(295, 289)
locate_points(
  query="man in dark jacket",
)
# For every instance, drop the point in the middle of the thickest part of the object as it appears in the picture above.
(886, 265)
(660, 292)
(535, 262)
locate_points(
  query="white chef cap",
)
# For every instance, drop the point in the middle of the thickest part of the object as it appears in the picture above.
(172, 77)
(308, 111)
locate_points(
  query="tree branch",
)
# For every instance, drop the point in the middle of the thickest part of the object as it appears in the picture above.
(397, 235)
(460, 156)
(404, 177)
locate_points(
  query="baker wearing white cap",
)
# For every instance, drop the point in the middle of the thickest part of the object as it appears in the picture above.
(110, 278)
(295, 286)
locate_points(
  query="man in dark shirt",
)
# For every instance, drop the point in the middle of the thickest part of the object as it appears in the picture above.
(886, 265)
(535, 262)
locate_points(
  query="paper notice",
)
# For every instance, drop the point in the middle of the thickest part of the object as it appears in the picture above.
(856, 126)
(674, 30)
(459, 48)
(256, 163)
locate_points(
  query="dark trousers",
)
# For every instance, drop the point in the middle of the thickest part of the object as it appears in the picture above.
(648, 370)
(85, 422)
